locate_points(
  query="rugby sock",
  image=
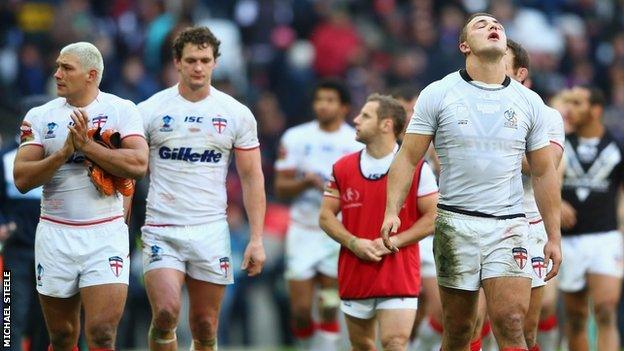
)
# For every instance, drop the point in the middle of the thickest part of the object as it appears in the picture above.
(548, 333)
(535, 348)
(429, 336)
(486, 329)
(475, 345)
(487, 339)
(436, 325)
(327, 336)
(25, 343)
(303, 337)
(330, 327)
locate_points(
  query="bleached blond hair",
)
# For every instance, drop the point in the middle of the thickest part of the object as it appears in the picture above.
(89, 57)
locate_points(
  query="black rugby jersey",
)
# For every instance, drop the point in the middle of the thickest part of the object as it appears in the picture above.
(594, 172)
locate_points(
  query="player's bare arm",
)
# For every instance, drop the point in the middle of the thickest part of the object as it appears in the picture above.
(32, 169)
(328, 221)
(400, 180)
(288, 185)
(544, 180)
(423, 227)
(249, 169)
(129, 161)
(557, 153)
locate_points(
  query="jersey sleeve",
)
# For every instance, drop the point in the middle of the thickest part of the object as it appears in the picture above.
(331, 187)
(537, 136)
(426, 111)
(131, 123)
(556, 131)
(247, 134)
(30, 130)
(144, 113)
(287, 153)
(427, 184)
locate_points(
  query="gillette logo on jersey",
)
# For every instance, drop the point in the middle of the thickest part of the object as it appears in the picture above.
(187, 154)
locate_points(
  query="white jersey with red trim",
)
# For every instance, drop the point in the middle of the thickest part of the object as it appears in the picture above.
(307, 148)
(70, 197)
(191, 145)
(480, 133)
(556, 134)
(375, 168)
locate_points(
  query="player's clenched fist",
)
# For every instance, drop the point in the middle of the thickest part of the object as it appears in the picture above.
(390, 225)
(254, 257)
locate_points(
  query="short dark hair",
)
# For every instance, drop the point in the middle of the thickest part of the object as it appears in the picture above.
(405, 92)
(596, 96)
(389, 107)
(335, 85)
(463, 35)
(521, 56)
(200, 36)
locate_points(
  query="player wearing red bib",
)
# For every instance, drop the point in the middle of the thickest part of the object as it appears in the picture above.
(370, 283)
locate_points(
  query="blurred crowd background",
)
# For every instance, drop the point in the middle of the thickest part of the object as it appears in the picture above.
(273, 53)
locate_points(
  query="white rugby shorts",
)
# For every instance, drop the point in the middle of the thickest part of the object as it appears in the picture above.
(367, 308)
(537, 240)
(310, 251)
(468, 249)
(202, 251)
(427, 263)
(596, 253)
(70, 257)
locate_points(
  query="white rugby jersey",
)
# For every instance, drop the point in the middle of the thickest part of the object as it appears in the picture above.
(307, 148)
(375, 168)
(480, 135)
(556, 134)
(191, 144)
(70, 197)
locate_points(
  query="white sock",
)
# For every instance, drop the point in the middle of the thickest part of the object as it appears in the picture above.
(303, 344)
(325, 341)
(547, 340)
(488, 343)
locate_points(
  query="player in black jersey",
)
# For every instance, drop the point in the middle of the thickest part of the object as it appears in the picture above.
(592, 246)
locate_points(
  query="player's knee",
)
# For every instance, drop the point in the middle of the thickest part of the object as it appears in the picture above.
(576, 319)
(204, 327)
(166, 316)
(392, 342)
(605, 313)
(62, 338)
(101, 335)
(509, 323)
(362, 344)
(460, 327)
(458, 333)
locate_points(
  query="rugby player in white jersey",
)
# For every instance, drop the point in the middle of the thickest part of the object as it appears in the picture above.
(82, 245)
(193, 131)
(543, 297)
(483, 123)
(304, 164)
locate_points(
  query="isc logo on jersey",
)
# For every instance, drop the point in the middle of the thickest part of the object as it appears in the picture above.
(187, 154)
